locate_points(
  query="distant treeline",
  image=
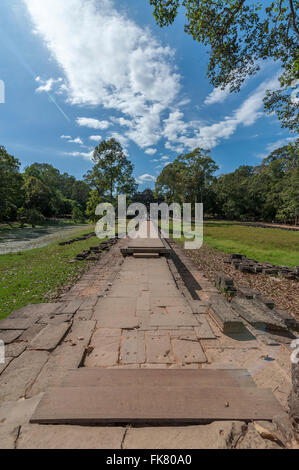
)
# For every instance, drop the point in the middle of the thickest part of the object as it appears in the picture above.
(39, 193)
(269, 191)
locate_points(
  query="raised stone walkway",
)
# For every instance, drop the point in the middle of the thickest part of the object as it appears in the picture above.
(128, 313)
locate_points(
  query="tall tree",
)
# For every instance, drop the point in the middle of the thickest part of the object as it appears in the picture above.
(11, 194)
(240, 34)
(112, 172)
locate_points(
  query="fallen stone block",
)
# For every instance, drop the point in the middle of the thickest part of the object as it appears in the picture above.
(288, 319)
(264, 300)
(222, 313)
(257, 314)
(247, 292)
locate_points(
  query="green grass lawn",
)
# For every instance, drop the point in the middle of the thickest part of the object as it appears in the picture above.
(274, 246)
(32, 276)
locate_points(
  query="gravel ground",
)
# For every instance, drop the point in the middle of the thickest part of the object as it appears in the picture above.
(284, 293)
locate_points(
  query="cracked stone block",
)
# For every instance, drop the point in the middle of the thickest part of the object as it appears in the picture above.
(49, 337)
(218, 435)
(70, 437)
(21, 373)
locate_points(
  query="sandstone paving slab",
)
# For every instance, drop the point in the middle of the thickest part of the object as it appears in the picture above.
(55, 319)
(8, 437)
(158, 348)
(15, 349)
(15, 324)
(71, 307)
(94, 377)
(70, 437)
(218, 435)
(16, 413)
(111, 305)
(117, 313)
(4, 365)
(153, 405)
(106, 350)
(188, 351)
(36, 310)
(69, 355)
(132, 347)
(20, 375)
(29, 334)
(83, 315)
(8, 336)
(204, 330)
(49, 337)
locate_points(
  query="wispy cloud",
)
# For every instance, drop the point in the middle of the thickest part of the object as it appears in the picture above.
(146, 178)
(92, 123)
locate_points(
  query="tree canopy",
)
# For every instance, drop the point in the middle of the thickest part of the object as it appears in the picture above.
(240, 34)
(112, 172)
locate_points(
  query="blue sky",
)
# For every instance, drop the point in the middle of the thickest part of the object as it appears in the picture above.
(79, 71)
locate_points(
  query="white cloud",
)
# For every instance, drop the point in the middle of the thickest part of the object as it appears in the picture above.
(146, 179)
(217, 95)
(47, 85)
(77, 140)
(164, 158)
(151, 151)
(85, 155)
(95, 138)
(181, 136)
(109, 60)
(66, 137)
(92, 123)
(275, 145)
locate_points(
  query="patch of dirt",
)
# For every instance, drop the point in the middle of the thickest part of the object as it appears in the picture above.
(285, 293)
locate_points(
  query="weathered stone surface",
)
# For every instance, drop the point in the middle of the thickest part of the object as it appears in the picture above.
(16, 413)
(257, 314)
(69, 437)
(222, 313)
(49, 337)
(187, 351)
(253, 440)
(55, 319)
(204, 330)
(29, 334)
(8, 437)
(113, 312)
(69, 355)
(21, 373)
(7, 361)
(294, 401)
(133, 347)
(288, 319)
(158, 348)
(247, 292)
(36, 310)
(15, 349)
(218, 435)
(105, 351)
(71, 307)
(15, 324)
(9, 336)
